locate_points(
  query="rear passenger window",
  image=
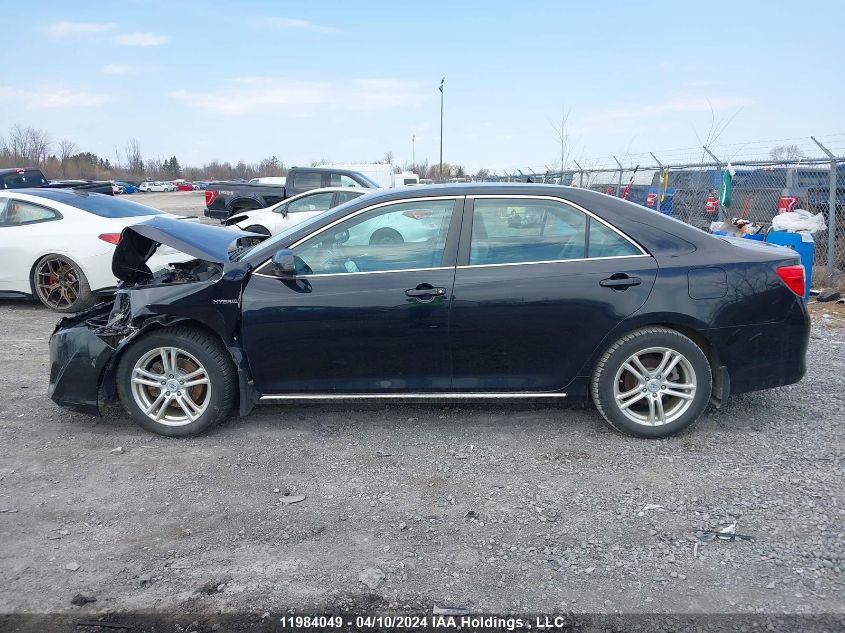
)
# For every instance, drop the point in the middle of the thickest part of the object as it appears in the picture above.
(306, 180)
(17, 213)
(604, 242)
(509, 231)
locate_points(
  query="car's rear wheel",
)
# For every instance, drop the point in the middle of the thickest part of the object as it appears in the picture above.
(60, 284)
(252, 241)
(177, 382)
(652, 382)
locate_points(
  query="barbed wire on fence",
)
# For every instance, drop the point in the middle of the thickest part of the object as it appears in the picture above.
(686, 184)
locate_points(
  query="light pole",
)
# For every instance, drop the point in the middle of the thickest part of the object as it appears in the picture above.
(442, 81)
(413, 151)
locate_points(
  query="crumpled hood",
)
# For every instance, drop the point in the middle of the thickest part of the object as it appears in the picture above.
(139, 242)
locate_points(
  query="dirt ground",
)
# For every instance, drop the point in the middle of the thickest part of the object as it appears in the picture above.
(488, 508)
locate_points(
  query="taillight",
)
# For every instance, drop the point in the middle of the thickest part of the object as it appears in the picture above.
(793, 276)
(417, 214)
(712, 204)
(111, 238)
(210, 197)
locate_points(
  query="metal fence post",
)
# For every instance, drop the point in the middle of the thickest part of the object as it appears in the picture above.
(659, 181)
(719, 167)
(580, 174)
(831, 213)
(621, 171)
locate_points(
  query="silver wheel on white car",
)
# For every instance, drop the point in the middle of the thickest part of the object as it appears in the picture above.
(170, 386)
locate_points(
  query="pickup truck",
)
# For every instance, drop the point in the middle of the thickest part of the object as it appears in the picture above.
(26, 177)
(223, 199)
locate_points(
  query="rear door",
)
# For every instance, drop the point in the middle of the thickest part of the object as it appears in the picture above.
(539, 284)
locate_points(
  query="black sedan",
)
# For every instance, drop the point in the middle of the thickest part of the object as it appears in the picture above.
(441, 293)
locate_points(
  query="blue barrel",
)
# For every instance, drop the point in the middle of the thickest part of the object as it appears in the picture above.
(801, 243)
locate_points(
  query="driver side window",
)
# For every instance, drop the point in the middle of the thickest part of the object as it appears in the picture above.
(398, 236)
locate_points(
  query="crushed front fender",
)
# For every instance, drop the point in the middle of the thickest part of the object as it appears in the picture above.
(77, 360)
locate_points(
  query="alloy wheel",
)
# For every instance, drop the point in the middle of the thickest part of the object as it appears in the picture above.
(57, 282)
(170, 386)
(655, 386)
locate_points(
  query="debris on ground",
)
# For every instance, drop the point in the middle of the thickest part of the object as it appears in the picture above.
(828, 295)
(117, 451)
(471, 514)
(372, 577)
(456, 611)
(74, 566)
(289, 499)
(80, 599)
(726, 533)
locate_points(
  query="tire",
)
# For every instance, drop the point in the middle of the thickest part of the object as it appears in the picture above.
(631, 397)
(386, 236)
(59, 283)
(200, 358)
(252, 241)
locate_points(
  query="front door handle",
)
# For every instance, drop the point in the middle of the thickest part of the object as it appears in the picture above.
(425, 291)
(620, 281)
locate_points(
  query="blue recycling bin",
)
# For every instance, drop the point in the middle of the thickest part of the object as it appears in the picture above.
(801, 243)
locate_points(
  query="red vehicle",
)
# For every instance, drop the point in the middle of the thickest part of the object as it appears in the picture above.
(184, 186)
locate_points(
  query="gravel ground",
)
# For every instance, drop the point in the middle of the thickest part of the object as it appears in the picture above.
(494, 509)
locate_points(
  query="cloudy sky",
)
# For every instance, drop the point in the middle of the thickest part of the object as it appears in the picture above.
(351, 81)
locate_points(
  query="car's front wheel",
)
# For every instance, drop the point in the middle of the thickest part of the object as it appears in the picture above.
(177, 381)
(652, 382)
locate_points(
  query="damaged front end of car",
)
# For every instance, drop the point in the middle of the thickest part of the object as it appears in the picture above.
(86, 348)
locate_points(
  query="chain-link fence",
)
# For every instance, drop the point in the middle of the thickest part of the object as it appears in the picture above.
(760, 190)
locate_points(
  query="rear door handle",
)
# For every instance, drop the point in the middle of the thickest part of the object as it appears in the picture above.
(425, 290)
(620, 281)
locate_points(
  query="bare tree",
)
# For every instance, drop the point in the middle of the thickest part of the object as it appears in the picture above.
(786, 153)
(67, 149)
(562, 136)
(28, 145)
(134, 161)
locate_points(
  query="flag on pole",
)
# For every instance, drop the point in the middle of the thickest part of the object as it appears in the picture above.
(441, 84)
(727, 186)
(665, 185)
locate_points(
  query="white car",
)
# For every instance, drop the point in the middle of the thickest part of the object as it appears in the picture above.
(157, 186)
(56, 244)
(285, 214)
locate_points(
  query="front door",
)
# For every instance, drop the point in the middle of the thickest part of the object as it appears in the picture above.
(538, 286)
(367, 311)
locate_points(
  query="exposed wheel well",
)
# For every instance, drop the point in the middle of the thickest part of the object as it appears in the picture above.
(108, 382)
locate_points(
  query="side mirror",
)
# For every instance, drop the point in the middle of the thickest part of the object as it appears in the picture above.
(284, 263)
